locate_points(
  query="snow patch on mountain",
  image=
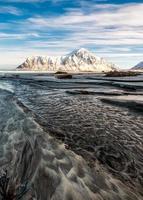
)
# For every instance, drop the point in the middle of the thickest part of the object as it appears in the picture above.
(80, 60)
(139, 66)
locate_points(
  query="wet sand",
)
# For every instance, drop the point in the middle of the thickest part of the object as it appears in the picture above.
(80, 146)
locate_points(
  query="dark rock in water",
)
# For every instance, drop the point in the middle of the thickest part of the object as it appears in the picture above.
(61, 72)
(121, 73)
(63, 76)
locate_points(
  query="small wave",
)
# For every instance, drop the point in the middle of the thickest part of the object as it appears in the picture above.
(6, 86)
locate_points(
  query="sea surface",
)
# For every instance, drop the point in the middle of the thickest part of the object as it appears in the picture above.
(79, 138)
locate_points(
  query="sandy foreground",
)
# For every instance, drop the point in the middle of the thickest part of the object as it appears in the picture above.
(60, 143)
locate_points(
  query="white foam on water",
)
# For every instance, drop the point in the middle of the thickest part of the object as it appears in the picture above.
(6, 86)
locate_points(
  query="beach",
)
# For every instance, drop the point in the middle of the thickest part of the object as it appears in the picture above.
(73, 139)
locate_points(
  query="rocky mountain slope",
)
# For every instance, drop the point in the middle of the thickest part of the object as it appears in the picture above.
(80, 60)
(139, 66)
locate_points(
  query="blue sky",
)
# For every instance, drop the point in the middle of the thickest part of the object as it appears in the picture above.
(111, 29)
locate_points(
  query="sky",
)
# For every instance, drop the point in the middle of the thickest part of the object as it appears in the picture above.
(113, 29)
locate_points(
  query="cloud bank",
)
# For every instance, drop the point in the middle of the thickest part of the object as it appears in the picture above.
(114, 31)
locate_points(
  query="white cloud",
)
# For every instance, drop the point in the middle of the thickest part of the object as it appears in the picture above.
(7, 36)
(116, 29)
(125, 15)
(21, 1)
(121, 25)
(31, 1)
(10, 9)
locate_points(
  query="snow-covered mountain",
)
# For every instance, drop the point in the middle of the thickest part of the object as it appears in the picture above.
(80, 60)
(139, 66)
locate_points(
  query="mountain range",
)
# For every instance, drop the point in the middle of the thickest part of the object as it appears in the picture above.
(139, 66)
(80, 60)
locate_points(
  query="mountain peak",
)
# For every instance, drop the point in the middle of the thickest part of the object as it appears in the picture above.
(139, 66)
(80, 60)
(83, 50)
